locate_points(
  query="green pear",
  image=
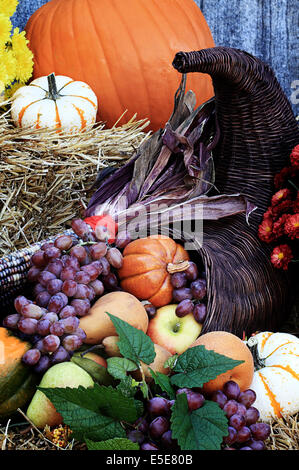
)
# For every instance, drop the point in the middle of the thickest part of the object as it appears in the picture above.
(66, 374)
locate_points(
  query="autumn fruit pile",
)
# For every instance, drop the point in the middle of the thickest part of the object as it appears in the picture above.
(280, 224)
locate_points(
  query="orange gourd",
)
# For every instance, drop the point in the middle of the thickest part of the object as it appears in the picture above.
(123, 49)
(147, 267)
(17, 382)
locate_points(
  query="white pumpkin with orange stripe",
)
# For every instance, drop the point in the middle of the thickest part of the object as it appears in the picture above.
(54, 102)
(276, 378)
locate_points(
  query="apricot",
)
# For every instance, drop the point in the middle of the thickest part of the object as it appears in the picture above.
(231, 346)
(157, 365)
(98, 325)
(111, 347)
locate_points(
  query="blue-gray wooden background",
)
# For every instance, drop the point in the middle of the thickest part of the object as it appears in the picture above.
(268, 29)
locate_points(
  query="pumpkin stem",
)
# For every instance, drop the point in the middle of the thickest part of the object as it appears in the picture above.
(259, 362)
(177, 267)
(53, 93)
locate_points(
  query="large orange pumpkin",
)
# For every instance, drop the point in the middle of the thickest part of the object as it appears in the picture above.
(147, 267)
(123, 49)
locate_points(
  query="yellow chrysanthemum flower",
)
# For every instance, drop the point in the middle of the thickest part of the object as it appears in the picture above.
(23, 55)
(12, 89)
(5, 28)
(8, 7)
(11, 65)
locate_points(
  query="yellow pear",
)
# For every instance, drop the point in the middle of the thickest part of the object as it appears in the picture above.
(66, 374)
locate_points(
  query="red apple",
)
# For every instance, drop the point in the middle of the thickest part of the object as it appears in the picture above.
(171, 332)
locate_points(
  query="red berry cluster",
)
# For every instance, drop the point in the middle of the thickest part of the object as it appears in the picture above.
(281, 220)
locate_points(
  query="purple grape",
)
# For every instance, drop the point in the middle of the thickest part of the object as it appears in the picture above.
(31, 357)
(105, 266)
(52, 253)
(54, 286)
(55, 267)
(110, 281)
(82, 277)
(51, 316)
(43, 327)
(91, 270)
(241, 409)
(199, 289)
(200, 312)
(158, 427)
(64, 242)
(33, 274)
(70, 324)
(81, 306)
(231, 390)
(80, 228)
(260, 431)
(230, 408)
(44, 277)
(68, 274)
(20, 302)
(256, 445)
(43, 298)
(98, 287)
(81, 292)
(57, 328)
(98, 250)
(37, 289)
(191, 272)
(60, 355)
(136, 436)
(114, 257)
(11, 321)
(167, 441)
(184, 307)
(195, 400)
(69, 288)
(27, 325)
(220, 398)
(243, 435)
(122, 240)
(43, 365)
(181, 294)
(179, 280)
(237, 421)
(247, 398)
(51, 343)
(142, 425)
(67, 311)
(80, 333)
(231, 437)
(39, 259)
(150, 310)
(245, 448)
(158, 406)
(72, 262)
(71, 342)
(252, 415)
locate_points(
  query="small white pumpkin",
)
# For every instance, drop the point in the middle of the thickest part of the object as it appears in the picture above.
(276, 376)
(54, 103)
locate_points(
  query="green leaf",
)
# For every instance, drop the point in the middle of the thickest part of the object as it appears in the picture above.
(112, 444)
(171, 361)
(118, 367)
(198, 365)
(97, 371)
(93, 413)
(144, 389)
(202, 429)
(164, 383)
(127, 386)
(133, 344)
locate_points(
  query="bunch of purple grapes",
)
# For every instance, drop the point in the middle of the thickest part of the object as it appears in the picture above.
(244, 430)
(153, 432)
(190, 290)
(68, 275)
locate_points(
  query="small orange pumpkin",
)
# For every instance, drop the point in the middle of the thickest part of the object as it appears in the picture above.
(147, 267)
